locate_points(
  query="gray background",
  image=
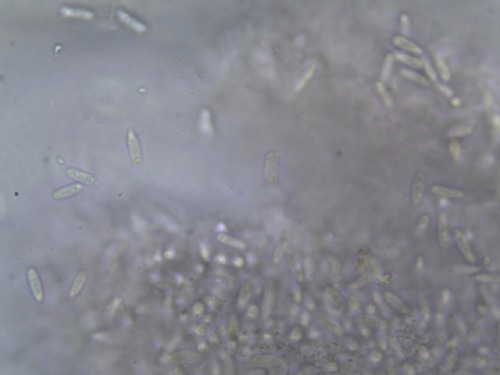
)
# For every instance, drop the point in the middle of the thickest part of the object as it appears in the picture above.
(346, 161)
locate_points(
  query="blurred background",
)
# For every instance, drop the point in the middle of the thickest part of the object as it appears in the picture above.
(256, 187)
